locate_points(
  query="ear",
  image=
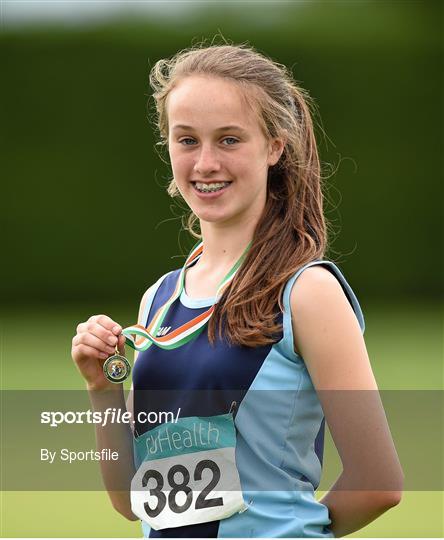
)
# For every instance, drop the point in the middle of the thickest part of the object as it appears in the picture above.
(275, 148)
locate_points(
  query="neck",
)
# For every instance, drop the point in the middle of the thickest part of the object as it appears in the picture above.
(224, 243)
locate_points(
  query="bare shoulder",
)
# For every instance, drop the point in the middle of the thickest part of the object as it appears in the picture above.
(315, 275)
(317, 289)
(326, 332)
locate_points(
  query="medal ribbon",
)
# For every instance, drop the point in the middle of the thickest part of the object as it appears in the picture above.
(188, 331)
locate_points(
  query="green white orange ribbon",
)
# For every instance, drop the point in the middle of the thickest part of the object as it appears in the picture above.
(188, 331)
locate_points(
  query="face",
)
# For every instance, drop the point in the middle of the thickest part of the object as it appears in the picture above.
(216, 143)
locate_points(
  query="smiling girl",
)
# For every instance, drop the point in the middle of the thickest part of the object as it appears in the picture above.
(257, 334)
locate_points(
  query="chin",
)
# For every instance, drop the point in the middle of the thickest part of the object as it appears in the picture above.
(211, 218)
(212, 215)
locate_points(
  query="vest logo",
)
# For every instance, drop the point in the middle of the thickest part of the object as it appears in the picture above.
(163, 330)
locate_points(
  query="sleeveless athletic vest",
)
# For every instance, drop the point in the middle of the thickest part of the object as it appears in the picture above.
(278, 417)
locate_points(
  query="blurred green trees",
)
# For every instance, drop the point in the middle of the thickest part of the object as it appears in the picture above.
(85, 211)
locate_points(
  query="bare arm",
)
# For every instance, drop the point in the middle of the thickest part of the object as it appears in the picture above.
(327, 335)
(90, 348)
(117, 475)
(95, 340)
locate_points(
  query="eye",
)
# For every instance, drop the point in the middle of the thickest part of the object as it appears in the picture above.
(185, 141)
(232, 139)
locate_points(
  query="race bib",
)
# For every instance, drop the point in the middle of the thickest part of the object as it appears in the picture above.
(187, 473)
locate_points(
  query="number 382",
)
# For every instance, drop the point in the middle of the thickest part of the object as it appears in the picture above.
(201, 502)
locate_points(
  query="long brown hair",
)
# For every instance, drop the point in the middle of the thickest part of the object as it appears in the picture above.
(292, 229)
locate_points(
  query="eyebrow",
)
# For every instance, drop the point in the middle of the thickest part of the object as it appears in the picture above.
(221, 129)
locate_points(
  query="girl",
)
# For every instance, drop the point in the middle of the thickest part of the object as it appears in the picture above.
(256, 338)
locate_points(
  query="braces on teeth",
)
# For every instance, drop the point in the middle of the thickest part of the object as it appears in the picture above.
(217, 187)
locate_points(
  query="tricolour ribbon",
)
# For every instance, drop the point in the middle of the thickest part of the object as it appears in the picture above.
(191, 329)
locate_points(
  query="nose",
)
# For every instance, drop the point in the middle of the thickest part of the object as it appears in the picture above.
(207, 161)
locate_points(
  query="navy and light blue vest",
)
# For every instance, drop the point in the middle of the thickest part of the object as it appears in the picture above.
(278, 417)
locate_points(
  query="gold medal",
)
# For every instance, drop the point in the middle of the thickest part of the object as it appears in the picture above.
(116, 368)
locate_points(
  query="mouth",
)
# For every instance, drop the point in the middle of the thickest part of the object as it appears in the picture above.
(210, 188)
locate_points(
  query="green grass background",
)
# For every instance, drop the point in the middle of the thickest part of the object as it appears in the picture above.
(405, 347)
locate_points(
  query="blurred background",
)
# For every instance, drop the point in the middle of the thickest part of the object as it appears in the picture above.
(88, 226)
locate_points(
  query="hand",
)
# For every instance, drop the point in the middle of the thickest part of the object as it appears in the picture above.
(96, 340)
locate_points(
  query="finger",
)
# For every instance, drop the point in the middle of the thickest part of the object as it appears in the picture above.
(97, 330)
(93, 341)
(90, 352)
(81, 327)
(107, 323)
